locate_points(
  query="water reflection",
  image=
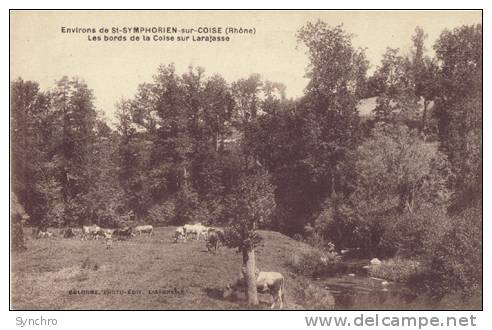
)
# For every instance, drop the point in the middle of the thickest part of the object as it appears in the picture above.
(362, 292)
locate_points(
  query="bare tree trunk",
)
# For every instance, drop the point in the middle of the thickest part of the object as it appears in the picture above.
(249, 268)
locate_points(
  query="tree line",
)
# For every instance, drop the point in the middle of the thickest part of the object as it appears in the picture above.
(194, 148)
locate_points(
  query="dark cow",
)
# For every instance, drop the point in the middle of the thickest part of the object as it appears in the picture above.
(68, 233)
(266, 282)
(214, 238)
(123, 233)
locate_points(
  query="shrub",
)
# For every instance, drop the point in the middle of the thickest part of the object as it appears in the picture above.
(318, 241)
(315, 263)
(454, 263)
(314, 297)
(408, 234)
(395, 269)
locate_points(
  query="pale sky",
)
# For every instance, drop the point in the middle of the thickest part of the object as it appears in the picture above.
(41, 52)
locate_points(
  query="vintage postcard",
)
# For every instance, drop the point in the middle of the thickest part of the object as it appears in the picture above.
(233, 160)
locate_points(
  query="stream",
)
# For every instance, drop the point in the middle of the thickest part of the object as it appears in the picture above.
(355, 289)
(362, 292)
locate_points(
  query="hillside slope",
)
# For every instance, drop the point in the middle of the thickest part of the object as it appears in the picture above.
(143, 274)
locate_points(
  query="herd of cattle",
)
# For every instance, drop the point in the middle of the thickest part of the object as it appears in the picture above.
(96, 232)
(211, 235)
(266, 282)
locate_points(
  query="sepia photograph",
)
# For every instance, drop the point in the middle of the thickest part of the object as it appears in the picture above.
(246, 160)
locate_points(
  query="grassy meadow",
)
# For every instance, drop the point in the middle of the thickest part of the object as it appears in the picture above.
(159, 273)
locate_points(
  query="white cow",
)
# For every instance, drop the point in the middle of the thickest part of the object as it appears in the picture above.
(90, 231)
(266, 282)
(204, 231)
(145, 229)
(179, 235)
(197, 229)
(107, 232)
(45, 234)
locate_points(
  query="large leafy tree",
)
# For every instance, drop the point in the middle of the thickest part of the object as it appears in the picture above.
(397, 100)
(459, 108)
(336, 75)
(105, 193)
(396, 168)
(62, 156)
(133, 155)
(175, 116)
(246, 94)
(172, 148)
(399, 176)
(32, 149)
(213, 126)
(336, 72)
(72, 103)
(251, 206)
(425, 75)
(280, 145)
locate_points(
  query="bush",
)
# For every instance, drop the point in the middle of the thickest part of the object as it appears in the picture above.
(315, 263)
(318, 241)
(409, 234)
(455, 262)
(314, 297)
(395, 269)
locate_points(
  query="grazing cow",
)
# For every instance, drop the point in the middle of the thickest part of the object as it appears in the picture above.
(90, 231)
(221, 234)
(212, 241)
(190, 229)
(78, 232)
(145, 229)
(41, 232)
(179, 235)
(107, 232)
(45, 234)
(100, 234)
(202, 231)
(123, 233)
(197, 229)
(68, 233)
(266, 282)
(214, 238)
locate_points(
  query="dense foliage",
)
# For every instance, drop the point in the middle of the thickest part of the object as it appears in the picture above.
(189, 147)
